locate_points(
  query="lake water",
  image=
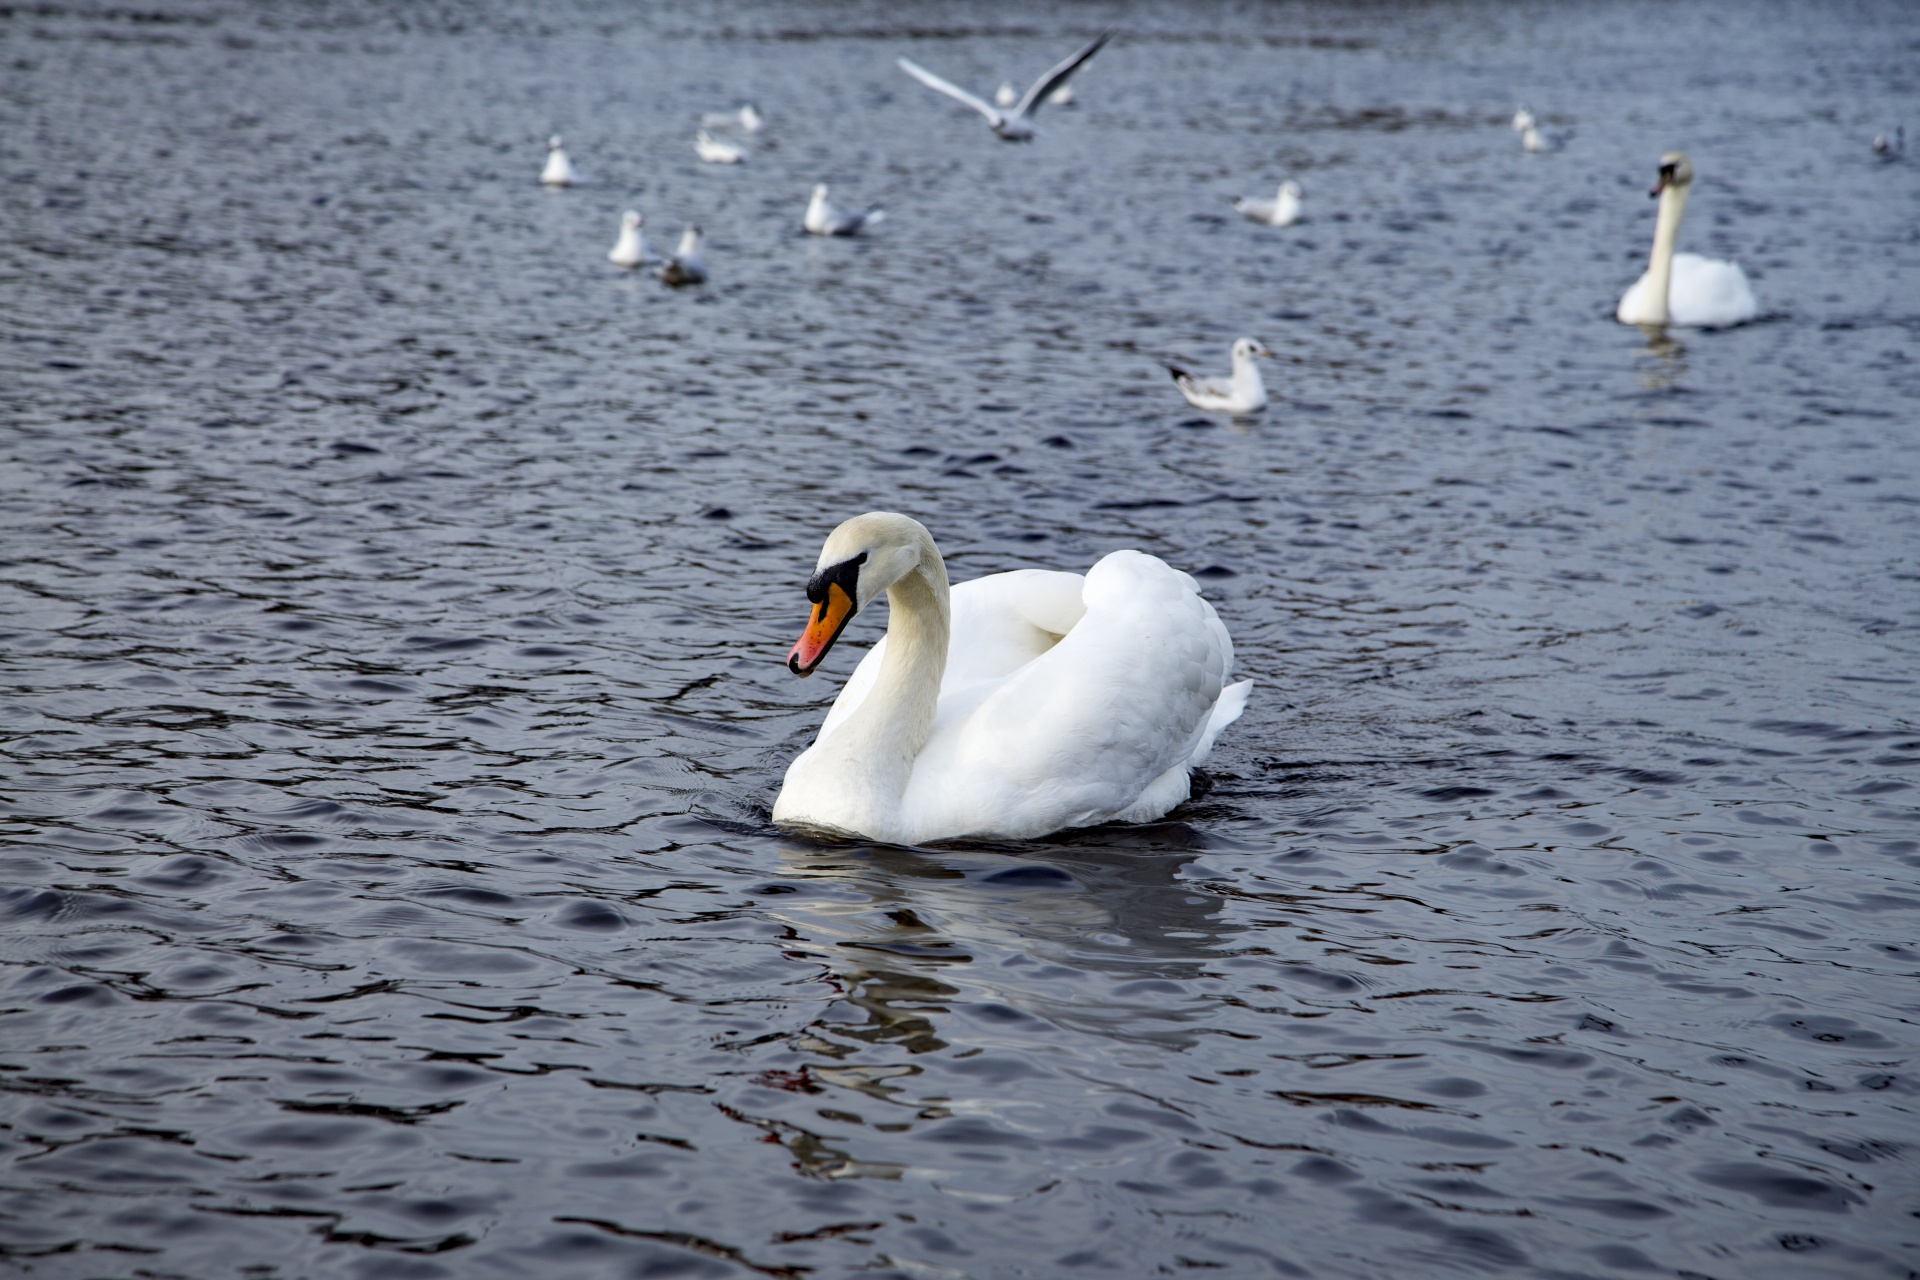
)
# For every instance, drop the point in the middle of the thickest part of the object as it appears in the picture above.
(395, 598)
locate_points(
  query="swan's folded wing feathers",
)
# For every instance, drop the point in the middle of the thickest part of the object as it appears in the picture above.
(1077, 734)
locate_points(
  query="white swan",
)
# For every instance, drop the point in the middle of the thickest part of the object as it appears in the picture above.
(1281, 211)
(687, 265)
(1684, 289)
(1012, 123)
(1240, 392)
(630, 250)
(1012, 706)
(559, 170)
(825, 219)
(714, 151)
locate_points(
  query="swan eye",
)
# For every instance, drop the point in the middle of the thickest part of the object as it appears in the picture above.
(845, 575)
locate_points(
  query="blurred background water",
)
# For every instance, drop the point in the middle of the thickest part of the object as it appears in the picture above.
(395, 596)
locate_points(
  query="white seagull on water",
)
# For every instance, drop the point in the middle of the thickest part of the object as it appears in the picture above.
(559, 171)
(1281, 211)
(686, 266)
(1241, 392)
(630, 250)
(1012, 124)
(747, 119)
(714, 151)
(824, 219)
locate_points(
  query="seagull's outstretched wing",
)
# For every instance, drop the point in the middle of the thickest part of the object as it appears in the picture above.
(953, 91)
(1047, 83)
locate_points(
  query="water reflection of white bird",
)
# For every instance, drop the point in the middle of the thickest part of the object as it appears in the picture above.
(1684, 289)
(1011, 706)
(715, 151)
(747, 119)
(1240, 393)
(1012, 124)
(559, 171)
(825, 219)
(687, 265)
(1281, 211)
(630, 250)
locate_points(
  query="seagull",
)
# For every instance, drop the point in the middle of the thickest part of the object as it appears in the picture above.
(1012, 124)
(714, 151)
(559, 171)
(747, 119)
(1890, 148)
(824, 219)
(630, 250)
(1240, 393)
(1535, 139)
(1281, 211)
(1061, 97)
(1522, 119)
(686, 266)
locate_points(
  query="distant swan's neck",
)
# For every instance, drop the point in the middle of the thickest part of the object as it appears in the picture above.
(880, 741)
(1666, 234)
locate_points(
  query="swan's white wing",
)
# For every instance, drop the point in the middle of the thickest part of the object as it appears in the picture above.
(1000, 623)
(1709, 293)
(1038, 92)
(1079, 733)
(953, 91)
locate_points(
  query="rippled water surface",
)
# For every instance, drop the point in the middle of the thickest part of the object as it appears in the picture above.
(395, 596)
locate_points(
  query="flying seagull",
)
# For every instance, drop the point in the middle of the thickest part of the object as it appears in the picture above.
(1012, 124)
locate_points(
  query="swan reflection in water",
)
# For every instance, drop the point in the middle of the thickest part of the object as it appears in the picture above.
(1667, 362)
(1057, 935)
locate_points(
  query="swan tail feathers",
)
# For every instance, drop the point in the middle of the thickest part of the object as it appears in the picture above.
(1233, 701)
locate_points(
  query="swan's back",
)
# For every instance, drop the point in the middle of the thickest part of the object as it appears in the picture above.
(1076, 733)
(1709, 293)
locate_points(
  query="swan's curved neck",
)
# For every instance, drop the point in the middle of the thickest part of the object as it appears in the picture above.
(1666, 234)
(886, 733)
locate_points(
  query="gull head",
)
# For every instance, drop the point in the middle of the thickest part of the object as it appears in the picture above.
(1291, 190)
(1675, 171)
(631, 218)
(1246, 349)
(553, 143)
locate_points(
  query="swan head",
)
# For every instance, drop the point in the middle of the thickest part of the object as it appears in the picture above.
(1675, 171)
(861, 559)
(1246, 349)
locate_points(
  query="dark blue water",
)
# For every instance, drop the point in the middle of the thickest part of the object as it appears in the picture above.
(395, 595)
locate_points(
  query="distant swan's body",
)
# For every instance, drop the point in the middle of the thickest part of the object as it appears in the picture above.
(630, 250)
(1240, 393)
(687, 265)
(559, 170)
(1684, 289)
(1281, 211)
(825, 219)
(1008, 707)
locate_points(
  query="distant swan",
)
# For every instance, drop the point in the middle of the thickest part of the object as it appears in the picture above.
(1684, 289)
(559, 171)
(1009, 707)
(630, 250)
(1239, 393)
